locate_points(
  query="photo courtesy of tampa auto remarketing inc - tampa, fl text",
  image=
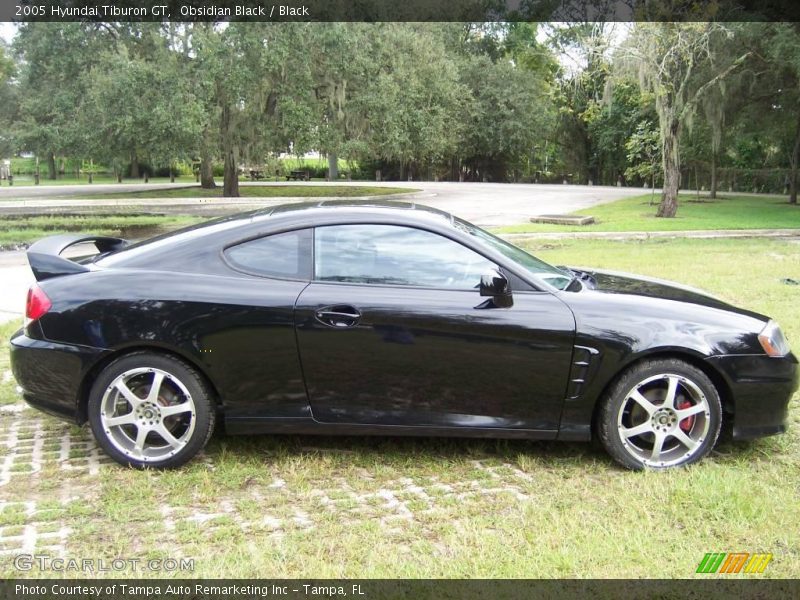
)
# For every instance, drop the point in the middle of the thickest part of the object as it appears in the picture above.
(374, 300)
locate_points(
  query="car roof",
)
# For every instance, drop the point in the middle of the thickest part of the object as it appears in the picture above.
(379, 206)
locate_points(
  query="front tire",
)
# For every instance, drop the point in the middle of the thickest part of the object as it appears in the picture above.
(151, 410)
(660, 414)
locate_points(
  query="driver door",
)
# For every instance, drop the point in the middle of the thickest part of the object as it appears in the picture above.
(392, 331)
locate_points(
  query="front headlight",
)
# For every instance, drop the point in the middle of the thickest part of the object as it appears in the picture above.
(773, 341)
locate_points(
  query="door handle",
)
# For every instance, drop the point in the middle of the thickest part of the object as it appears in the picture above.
(338, 316)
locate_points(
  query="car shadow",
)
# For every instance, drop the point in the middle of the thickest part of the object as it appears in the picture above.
(400, 449)
(367, 450)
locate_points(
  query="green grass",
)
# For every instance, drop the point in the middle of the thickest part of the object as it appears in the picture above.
(28, 180)
(298, 506)
(261, 191)
(297, 164)
(637, 214)
(17, 231)
(746, 271)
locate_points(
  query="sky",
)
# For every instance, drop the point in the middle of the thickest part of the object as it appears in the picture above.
(7, 31)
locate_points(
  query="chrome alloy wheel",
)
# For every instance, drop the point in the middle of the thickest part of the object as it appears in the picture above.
(664, 420)
(147, 414)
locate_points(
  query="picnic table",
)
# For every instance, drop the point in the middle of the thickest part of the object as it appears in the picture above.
(256, 174)
(303, 175)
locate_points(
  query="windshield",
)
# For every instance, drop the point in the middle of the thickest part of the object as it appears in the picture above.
(554, 276)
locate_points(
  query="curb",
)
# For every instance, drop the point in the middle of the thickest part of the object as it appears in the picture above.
(646, 235)
(34, 207)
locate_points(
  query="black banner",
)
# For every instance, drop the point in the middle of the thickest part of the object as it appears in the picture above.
(378, 589)
(399, 10)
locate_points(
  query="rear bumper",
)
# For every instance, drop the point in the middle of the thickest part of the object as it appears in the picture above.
(761, 388)
(51, 374)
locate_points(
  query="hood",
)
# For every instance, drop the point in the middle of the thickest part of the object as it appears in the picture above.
(615, 282)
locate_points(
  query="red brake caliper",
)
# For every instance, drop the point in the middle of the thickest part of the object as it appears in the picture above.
(688, 422)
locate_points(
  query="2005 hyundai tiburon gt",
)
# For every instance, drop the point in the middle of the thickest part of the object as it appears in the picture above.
(389, 319)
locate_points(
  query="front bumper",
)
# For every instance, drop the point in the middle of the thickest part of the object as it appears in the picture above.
(51, 374)
(760, 388)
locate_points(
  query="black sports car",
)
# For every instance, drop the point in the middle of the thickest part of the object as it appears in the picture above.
(384, 318)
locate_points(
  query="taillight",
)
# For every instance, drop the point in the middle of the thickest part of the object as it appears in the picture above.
(38, 303)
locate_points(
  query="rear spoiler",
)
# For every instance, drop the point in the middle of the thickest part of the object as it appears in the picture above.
(46, 262)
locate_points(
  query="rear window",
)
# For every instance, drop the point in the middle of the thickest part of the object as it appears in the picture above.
(284, 255)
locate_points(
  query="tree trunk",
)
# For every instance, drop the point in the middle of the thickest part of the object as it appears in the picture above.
(697, 182)
(230, 184)
(713, 193)
(134, 165)
(793, 165)
(206, 164)
(333, 166)
(207, 173)
(671, 162)
(51, 166)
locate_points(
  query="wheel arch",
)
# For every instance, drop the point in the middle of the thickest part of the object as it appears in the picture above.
(82, 399)
(688, 356)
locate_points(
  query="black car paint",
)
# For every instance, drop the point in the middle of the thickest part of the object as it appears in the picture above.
(419, 361)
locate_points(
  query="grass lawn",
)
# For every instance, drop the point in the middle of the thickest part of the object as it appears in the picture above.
(262, 191)
(636, 214)
(25, 230)
(300, 506)
(28, 180)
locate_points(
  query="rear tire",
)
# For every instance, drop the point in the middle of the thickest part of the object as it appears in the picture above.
(151, 410)
(660, 414)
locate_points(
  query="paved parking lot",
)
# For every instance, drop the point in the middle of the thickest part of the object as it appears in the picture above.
(37, 451)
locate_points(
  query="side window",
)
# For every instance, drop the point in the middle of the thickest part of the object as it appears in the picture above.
(395, 255)
(286, 255)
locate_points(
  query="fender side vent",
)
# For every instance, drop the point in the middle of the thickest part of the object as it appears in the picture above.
(582, 359)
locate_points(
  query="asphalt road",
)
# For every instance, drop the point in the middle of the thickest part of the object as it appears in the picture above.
(486, 204)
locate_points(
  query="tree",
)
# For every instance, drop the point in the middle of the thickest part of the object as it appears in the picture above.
(8, 101)
(505, 110)
(343, 66)
(386, 91)
(262, 80)
(54, 57)
(595, 118)
(509, 114)
(623, 113)
(676, 62)
(140, 104)
(414, 102)
(644, 154)
(783, 55)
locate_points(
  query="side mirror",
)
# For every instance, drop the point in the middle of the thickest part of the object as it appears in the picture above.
(494, 283)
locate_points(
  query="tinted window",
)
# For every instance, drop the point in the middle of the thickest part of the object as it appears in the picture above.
(556, 277)
(280, 255)
(389, 254)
